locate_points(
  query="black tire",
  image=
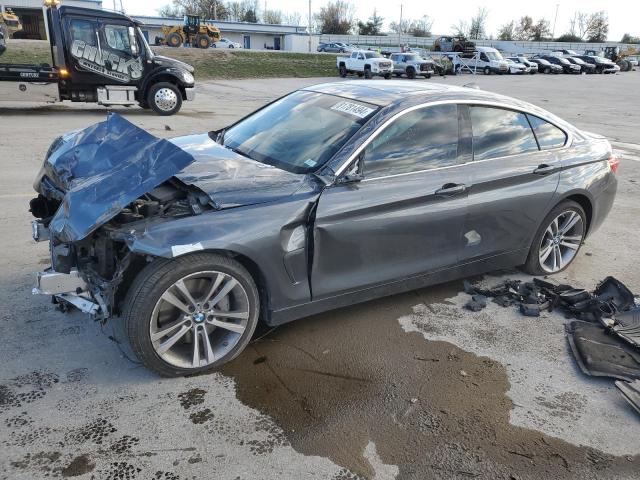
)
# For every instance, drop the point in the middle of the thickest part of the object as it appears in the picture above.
(213, 45)
(387, 76)
(599, 70)
(174, 40)
(343, 71)
(202, 41)
(487, 71)
(322, 50)
(360, 74)
(532, 265)
(367, 73)
(547, 70)
(411, 72)
(159, 108)
(154, 280)
(231, 46)
(427, 76)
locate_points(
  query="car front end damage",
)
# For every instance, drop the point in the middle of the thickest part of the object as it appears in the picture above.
(94, 185)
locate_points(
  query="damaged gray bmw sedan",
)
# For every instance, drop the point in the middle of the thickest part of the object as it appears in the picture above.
(332, 195)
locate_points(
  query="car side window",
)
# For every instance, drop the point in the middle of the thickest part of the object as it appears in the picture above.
(548, 135)
(419, 140)
(83, 31)
(360, 57)
(500, 133)
(117, 37)
(483, 57)
(354, 55)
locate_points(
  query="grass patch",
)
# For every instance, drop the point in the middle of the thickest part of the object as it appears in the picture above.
(209, 64)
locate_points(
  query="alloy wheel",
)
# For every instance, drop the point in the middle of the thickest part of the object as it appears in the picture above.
(561, 241)
(166, 99)
(199, 319)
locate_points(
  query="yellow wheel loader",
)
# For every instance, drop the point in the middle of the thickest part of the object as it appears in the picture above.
(194, 32)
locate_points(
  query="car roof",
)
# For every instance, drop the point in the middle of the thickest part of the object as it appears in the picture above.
(403, 93)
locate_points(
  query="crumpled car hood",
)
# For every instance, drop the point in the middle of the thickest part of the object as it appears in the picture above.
(229, 179)
(100, 170)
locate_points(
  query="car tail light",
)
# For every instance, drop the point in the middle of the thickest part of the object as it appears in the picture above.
(613, 163)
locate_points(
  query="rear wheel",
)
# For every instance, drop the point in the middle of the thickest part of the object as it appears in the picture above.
(558, 239)
(174, 40)
(343, 71)
(191, 314)
(164, 98)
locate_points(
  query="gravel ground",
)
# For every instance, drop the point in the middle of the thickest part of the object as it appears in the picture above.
(410, 386)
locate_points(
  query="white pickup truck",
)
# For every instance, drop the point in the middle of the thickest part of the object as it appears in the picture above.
(365, 63)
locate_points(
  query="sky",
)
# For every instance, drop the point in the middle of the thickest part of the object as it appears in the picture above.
(624, 16)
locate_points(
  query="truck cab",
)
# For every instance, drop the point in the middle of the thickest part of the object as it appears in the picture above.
(100, 56)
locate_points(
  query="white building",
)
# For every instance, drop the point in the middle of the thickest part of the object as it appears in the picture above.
(32, 17)
(256, 36)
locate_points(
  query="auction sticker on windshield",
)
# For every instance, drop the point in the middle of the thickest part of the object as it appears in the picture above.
(352, 108)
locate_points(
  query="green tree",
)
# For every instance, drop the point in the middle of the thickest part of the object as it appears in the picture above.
(507, 31)
(627, 38)
(373, 26)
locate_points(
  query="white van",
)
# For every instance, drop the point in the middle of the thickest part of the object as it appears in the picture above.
(490, 60)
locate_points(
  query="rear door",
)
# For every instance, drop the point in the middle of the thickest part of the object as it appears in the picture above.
(405, 217)
(514, 180)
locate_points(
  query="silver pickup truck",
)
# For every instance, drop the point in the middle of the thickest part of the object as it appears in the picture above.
(411, 64)
(365, 63)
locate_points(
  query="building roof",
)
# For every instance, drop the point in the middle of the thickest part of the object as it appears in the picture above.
(225, 26)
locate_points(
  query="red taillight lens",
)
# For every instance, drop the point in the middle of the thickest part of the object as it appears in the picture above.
(613, 163)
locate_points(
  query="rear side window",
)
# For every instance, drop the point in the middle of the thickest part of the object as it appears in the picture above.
(419, 140)
(500, 133)
(548, 135)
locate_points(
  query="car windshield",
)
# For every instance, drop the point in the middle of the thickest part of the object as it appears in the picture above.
(372, 55)
(412, 57)
(494, 55)
(299, 132)
(563, 60)
(542, 61)
(579, 61)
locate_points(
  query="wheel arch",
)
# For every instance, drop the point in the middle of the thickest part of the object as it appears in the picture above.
(165, 76)
(587, 205)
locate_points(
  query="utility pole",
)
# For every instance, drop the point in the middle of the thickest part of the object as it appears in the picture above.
(215, 10)
(553, 34)
(309, 27)
(400, 30)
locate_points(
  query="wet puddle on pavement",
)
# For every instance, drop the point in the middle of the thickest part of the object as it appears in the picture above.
(337, 381)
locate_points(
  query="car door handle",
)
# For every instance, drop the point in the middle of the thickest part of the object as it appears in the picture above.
(544, 169)
(451, 189)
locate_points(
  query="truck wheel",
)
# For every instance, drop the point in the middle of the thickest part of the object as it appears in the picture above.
(174, 40)
(360, 74)
(164, 98)
(387, 76)
(367, 73)
(191, 314)
(427, 76)
(411, 73)
(343, 71)
(202, 41)
(487, 71)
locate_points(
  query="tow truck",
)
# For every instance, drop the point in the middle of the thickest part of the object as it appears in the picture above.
(100, 57)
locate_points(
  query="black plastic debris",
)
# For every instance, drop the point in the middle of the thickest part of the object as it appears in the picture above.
(631, 392)
(601, 354)
(477, 303)
(627, 326)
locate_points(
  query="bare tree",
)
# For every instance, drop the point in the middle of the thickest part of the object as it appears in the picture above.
(292, 18)
(273, 17)
(170, 11)
(598, 27)
(461, 28)
(507, 31)
(421, 27)
(541, 30)
(336, 17)
(400, 27)
(478, 24)
(524, 28)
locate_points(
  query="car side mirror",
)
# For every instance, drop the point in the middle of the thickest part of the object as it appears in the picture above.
(354, 174)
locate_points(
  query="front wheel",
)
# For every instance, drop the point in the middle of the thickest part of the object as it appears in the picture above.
(411, 73)
(164, 98)
(558, 239)
(191, 314)
(387, 76)
(487, 71)
(367, 73)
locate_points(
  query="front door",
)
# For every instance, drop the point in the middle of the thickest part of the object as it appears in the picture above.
(246, 41)
(405, 217)
(276, 43)
(514, 180)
